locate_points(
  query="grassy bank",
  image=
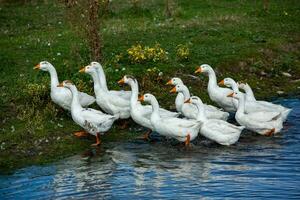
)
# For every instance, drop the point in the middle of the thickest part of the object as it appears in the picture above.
(237, 38)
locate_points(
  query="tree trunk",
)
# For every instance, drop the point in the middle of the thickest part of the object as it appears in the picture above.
(94, 30)
(168, 12)
(266, 5)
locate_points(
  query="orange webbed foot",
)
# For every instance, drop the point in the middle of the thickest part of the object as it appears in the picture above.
(98, 141)
(187, 142)
(81, 134)
(270, 132)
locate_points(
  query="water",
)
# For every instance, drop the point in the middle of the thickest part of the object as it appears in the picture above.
(256, 167)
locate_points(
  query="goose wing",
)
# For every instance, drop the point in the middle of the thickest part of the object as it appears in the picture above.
(85, 99)
(122, 93)
(95, 116)
(118, 101)
(263, 116)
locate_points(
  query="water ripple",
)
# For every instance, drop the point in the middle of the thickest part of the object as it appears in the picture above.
(255, 167)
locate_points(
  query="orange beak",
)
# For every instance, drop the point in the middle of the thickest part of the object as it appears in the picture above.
(60, 85)
(38, 66)
(82, 70)
(199, 70)
(169, 82)
(188, 100)
(230, 95)
(121, 82)
(141, 98)
(221, 82)
(173, 90)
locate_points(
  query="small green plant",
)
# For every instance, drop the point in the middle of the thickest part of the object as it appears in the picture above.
(83, 86)
(182, 52)
(117, 58)
(50, 111)
(138, 53)
(156, 53)
(35, 89)
(153, 70)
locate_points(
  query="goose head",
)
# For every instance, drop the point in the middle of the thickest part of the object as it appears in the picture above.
(178, 88)
(126, 80)
(66, 84)
(174, 81)
(228, 82)
(204, 68)
(89, 69)
(146, 98)
(96, 65)
(194, 100)
(243, 85)
(44, 66)
(236, 95)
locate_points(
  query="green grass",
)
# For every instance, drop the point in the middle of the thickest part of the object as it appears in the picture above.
(237, 38)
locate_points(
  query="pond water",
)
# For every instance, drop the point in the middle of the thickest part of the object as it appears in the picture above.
(257, 166)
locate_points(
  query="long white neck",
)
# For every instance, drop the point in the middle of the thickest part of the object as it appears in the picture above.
(53, 76)
(212, 82)
(185, 91)
(75, 99)
(249, 93)
(155, 109)
(97, 87)
(201, 112)
(102, 78)
(179, 101)
(241, 105)
(234, 86)
(134, 92)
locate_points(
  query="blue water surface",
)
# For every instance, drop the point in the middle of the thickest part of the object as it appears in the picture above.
(256, 167)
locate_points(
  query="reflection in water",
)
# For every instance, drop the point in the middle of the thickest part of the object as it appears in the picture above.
(256, 166)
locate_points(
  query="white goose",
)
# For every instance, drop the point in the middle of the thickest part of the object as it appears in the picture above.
(268, 105)
(103, 84)
(189, 110)
(262, 122)
(59, 95)
(250, 106)
(179, 98)
(248, 91)
(216, 93)
(183, 130)
(110, 103)
(217, 130)
(92, 121)
(141, 113)
(255, 106)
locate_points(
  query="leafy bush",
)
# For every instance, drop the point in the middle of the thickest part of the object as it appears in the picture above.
(182, 52)
(138, 53)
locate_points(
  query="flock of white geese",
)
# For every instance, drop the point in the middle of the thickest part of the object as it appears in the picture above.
(192, 116)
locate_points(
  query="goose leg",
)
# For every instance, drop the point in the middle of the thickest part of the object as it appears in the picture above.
(270, 132)
(81, 134)
(188, 140)
(147, 134)
(98, 141)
